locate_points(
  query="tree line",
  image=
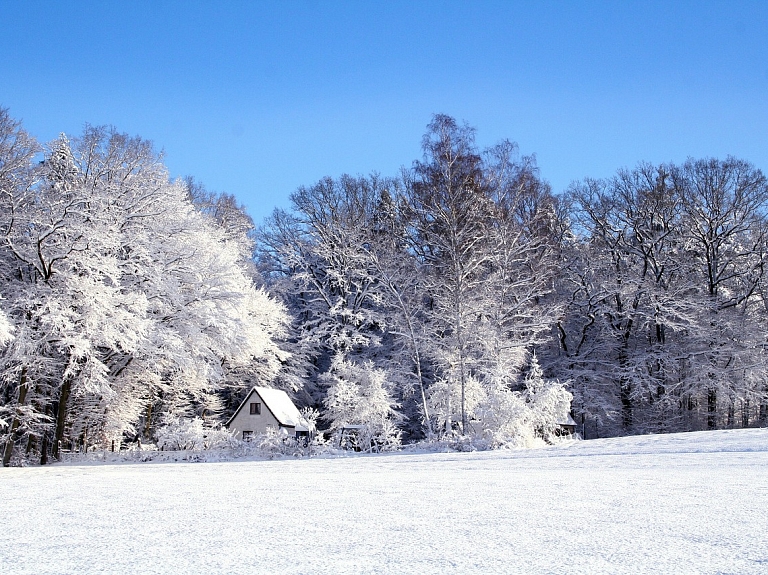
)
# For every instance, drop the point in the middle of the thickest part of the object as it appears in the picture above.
(643, 294)
(460, 300)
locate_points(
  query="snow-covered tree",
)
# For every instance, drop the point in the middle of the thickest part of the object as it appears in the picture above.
(358, 395)
(724, 206)
(481, 233)
(517, 308)
(402, 290)
(127, 301)
(451, 213)
(662, 293)
(625, 282)
(316, 258)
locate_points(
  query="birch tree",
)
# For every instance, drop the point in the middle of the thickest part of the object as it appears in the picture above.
(450, 213)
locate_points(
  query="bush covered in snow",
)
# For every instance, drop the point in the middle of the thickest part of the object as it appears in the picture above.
(358, 399)
(192, 435)
(498, 416)
(368, 438)
(274, 444)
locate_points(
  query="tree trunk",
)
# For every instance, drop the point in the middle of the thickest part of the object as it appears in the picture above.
(731, 413)
(61, 415)
(462, 375)
(23, 388)
(148, 423)
(626, 405)
(745, 413)
(44, 450)
(712, 409)
(448, 417)
(427, 422)
(625, 389)
(463, 399)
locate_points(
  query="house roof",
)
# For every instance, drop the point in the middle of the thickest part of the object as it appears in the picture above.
(279, 405)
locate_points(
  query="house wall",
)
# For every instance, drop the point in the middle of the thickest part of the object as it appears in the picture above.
(244, 421)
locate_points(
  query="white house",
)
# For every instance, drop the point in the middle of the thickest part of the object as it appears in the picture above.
(264, 408)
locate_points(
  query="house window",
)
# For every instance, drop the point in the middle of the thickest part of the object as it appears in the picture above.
(255, 409)
(247, 435)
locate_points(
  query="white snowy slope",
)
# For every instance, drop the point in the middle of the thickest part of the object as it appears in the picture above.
(684, 503)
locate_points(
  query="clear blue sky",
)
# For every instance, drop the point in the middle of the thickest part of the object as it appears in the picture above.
(258, 98)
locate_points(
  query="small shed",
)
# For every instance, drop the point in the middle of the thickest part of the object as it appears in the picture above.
(349, 437)
(265, 408)
(566, 425)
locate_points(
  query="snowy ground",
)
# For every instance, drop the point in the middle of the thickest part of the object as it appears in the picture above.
(684, 503)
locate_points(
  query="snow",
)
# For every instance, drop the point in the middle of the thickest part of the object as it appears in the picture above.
(682, 503)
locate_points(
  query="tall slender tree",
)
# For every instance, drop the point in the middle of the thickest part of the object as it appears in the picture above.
(451, 212)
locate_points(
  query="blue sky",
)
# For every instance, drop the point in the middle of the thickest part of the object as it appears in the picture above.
(258, 98)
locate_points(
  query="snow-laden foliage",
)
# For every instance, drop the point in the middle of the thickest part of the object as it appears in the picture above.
(129, 304)
(358, 398)
(400, 309)
(501, 417)
(439, 279)
(665, 287)
(645, 291)
(183, 434)
(548, 403)
(6, 329)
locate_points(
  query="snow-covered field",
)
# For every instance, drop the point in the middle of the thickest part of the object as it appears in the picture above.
(684, 503)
